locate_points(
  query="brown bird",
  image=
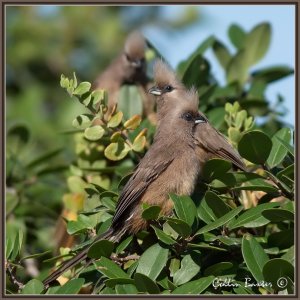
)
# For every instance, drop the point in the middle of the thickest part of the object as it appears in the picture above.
(170, 92)
(172, 163)
(128, 68)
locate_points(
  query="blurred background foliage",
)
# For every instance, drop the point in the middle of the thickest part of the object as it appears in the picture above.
(52, 169)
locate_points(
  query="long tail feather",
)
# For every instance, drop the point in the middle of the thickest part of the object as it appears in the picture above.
(74, 260)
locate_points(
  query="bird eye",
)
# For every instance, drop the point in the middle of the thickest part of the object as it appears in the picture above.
(168, 88)
(187, 117)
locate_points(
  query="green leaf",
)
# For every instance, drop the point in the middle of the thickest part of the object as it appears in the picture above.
(288, 147)
(278, 215)
(115, 120)
(101, 248)
(125, 289)
(257, 43)
(195, 287)
(212, 207)
(197, 72)
(35, 255)
(71, 287)
(215, 168)
(257, 185)
(130, 101)
(187, 271)
(114, 281)
(221, 221)
(278, 151)
(94, 133)
(181, 227)
(83, 88)
(145, 285)
(33, 287)
(151, 212)
(163, 236)
(109, 268)
(82, 223)
(237, 36)
(283, 239)
(124, 244)
(255, 146)
(184, 208)
(83, 121)
(237, 69)
(206, 44)
(254, 256)
(152, 261)
(133, 123)
(116, 151)
(218, 269)
(222, 53)
(251, 215)
(290, 255)
(272, 74)
(139, 143)
(277, 271)
(20, 131)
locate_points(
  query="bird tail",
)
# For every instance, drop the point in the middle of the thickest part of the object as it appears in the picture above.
(75, 260)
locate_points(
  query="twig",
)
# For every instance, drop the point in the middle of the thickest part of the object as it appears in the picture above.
(11, 274)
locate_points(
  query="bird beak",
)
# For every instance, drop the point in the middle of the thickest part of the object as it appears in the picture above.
(155, 91)
(136, 64)
(200, 120)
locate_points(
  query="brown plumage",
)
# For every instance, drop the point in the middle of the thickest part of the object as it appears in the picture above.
(172, 163)
(207, 140)
(128, 68)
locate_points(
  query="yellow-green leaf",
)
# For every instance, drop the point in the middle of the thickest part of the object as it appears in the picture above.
(139, 143)
(133, 122)
(116, 151)
(115, 120)
(94, 133)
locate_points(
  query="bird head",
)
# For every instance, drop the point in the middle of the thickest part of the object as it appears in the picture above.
(170, 93)
(134, 52)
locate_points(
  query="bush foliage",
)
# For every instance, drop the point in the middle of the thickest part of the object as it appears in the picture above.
(235, 235)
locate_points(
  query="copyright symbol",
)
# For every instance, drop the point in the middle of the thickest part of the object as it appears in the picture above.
(282, 282)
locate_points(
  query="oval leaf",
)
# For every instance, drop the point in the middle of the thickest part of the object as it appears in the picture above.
(133, 122)
(187, 271)
(117, 151)
(277, 271)
(278, 151)
(115, 120)
(33, 287)
(101, 248)
(255, 146)
(83, 88)
(257, 43)
(237, 36)
(83, 121)
(195, 287)
(184, 208)
(145, 284)
(71, 287)
(254, 256)
(221, 221)
(94, 133)
(163, 236)
(152, 261)
(109, 268)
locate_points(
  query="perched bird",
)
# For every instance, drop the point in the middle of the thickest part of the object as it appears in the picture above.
(172, 163)
(207, 141)
(128, 68)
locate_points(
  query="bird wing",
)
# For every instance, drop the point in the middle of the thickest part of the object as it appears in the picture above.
(146, 172)
(216, 143)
